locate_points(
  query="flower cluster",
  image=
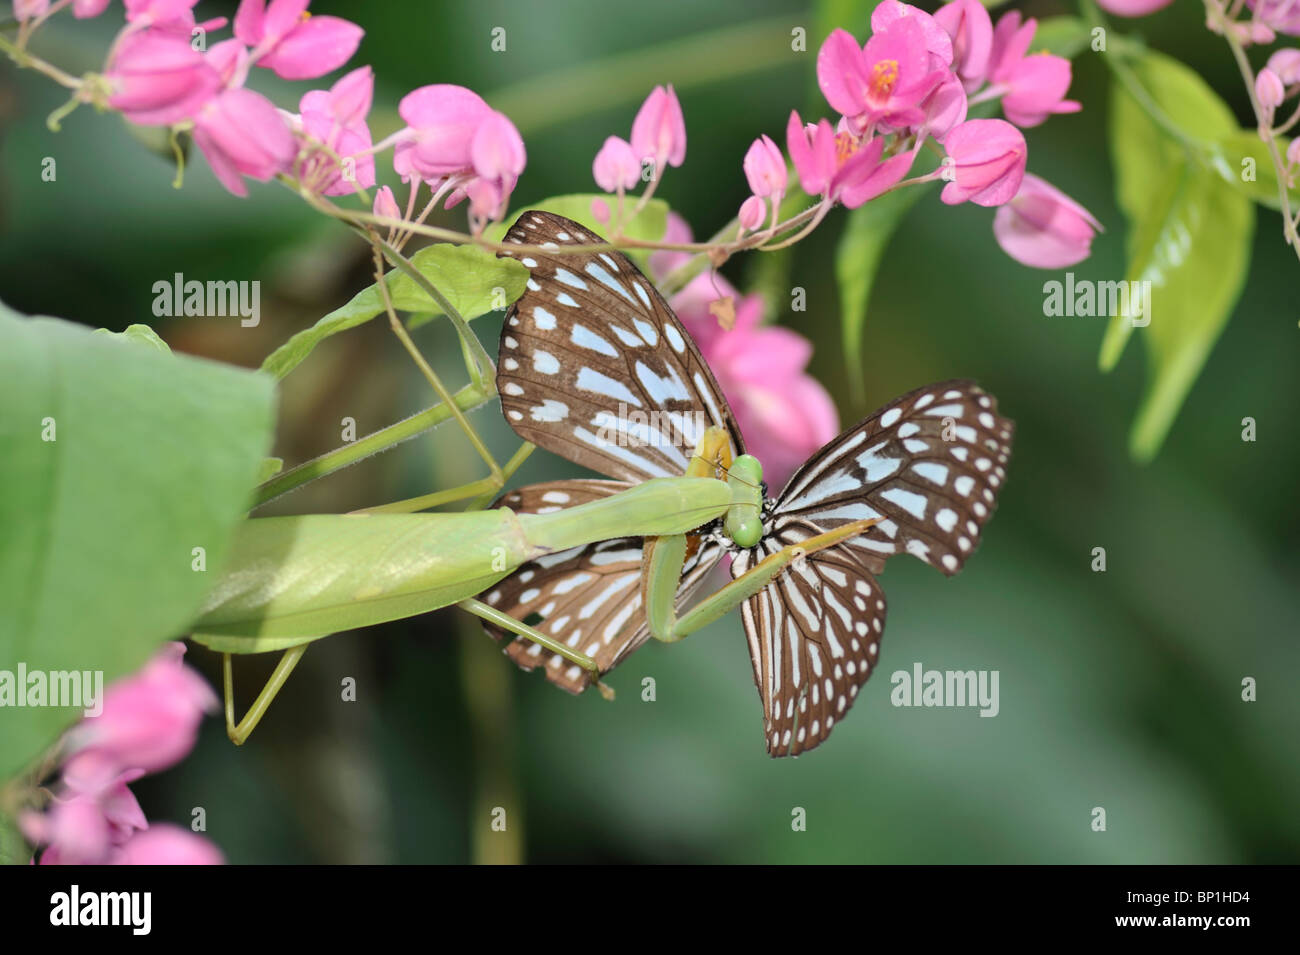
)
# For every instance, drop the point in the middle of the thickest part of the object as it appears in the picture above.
(913, 81)
(149, 722)
(159, 72)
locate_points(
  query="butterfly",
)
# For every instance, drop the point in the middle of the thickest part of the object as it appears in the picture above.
(594, 366)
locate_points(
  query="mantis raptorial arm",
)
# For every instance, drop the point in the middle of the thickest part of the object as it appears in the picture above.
(663, 562)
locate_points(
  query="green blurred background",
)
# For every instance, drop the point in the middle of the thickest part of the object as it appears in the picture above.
(1119, 689)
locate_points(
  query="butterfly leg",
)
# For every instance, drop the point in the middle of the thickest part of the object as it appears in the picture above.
(240, 732)
(518, 627)
(662, 566)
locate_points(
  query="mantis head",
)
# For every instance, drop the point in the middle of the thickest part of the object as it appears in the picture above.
(744, 519)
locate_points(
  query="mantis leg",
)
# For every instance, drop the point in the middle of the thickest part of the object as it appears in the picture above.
(431, 376)
(240, 732)
(507, 622)
(663, 560)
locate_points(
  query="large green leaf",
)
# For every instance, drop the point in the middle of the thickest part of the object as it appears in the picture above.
(473, 279)
(867, 234)
(1189, 233)
(117, 462)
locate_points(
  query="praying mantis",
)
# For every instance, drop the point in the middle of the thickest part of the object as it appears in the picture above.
(919, 476)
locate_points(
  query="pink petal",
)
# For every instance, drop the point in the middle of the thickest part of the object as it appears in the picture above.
(167, 844)
(316, 47)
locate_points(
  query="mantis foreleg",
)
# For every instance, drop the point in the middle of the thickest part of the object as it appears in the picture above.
(663, 562)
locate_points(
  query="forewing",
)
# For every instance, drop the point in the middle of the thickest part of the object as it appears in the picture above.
(595, 367)
(929, 464)
(814, 638)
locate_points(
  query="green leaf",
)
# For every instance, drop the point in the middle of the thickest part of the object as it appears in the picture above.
(1189, 234)
(118, 462)
(649, 225)
(1228, 158)
(473, 279)
(139, 335)
(867, 235)
(1064, 36)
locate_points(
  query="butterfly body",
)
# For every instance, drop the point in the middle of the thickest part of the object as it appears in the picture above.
(594, 366)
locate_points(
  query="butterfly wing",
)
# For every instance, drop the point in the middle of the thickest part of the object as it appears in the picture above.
(595, 367)
(585, 597)
(814, 637)
(929, 464)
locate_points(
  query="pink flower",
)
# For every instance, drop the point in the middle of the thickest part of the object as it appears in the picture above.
(85, 9)
(753, 211)
(74, 830)
(783, 413)
(145, 12)
(441, 120)
(1282, 15)
(1269, 90)
(1293, 152)
(987, 162)
(838, 167)
(498, 157)
(765, 168)
(1133, 8)
(166, 844)
(1286, 64)
(967, 22)
(1011, 41)
(1043, 227)
(30, 9)
(945, 107)
(883, 82)
(937, 40)
(659, 130)
(241, 133)
(150, 720)
(452, 132)
(337, 118)
(1036, 88)
(385, 205)
(158, 79)
(616, 166)
(297, 46)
